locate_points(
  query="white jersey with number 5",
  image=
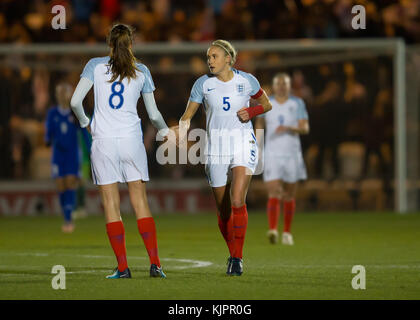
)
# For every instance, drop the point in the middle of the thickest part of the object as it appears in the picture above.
(115, 113)
(222, 100)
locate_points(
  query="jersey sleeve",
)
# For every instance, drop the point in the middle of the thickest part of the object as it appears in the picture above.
(197, 94)
(255, 85)
(148, 85)
(256, 90)
(88, 70)
(302, 113)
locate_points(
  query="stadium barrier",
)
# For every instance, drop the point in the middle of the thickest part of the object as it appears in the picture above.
(194, 196)
(30, 198)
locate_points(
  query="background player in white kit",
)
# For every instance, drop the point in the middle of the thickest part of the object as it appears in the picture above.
(118, 153)
(283, 161)
(225, 94)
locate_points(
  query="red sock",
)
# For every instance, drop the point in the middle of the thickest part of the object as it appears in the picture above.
(273, 212)
(240, 223)
(288, 211)
(226, 228)
(115, 231)
(147, 231)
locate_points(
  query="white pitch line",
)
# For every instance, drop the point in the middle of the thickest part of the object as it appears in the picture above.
(194, 263)
(202, 264)
(32, 254)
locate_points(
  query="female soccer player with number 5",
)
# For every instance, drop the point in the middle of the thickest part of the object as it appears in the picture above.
(118, 153)
(231, 151)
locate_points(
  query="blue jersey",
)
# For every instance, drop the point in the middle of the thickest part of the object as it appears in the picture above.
(61, 133)
(61, 130)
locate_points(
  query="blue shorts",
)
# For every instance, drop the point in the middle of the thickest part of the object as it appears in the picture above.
(65, 164)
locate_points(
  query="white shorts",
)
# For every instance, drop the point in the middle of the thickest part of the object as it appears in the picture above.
(219, 168)
(287, 169)
(118, 160)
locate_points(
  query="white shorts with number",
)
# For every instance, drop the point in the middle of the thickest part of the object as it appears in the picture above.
(118, 160)
(219, 168)
(288, 169)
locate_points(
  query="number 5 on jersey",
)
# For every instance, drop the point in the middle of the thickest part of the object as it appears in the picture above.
(117, 94)
(226, 102)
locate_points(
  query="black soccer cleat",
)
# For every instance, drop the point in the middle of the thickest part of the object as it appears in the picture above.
(237, 267)
(156, 272)
(120, 274)
(229, 266)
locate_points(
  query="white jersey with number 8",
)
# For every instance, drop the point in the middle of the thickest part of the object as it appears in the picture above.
(118, 153)
(115, 113)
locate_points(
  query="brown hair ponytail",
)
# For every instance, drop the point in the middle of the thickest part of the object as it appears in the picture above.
(122, 61)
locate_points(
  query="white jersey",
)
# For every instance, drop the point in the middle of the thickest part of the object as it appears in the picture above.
(115, 113)
(288, 114)
(222, 100)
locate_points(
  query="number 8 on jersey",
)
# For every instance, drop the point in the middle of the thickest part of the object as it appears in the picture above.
(116, 94)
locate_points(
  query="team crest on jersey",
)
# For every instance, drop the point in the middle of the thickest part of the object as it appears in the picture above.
(240, 87)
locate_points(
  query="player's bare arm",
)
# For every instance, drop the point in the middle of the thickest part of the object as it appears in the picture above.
(259, 124)
(302, 128)
(185, 121)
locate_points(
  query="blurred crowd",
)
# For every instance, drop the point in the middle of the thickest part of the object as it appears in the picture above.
(350, 103)
(23, 21)
(347, 102)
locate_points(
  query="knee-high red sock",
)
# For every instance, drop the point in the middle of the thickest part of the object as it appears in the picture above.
(147, 231)
(288, 211)
(226, 228)
(273, 212)
(115, 231)
(240, 223)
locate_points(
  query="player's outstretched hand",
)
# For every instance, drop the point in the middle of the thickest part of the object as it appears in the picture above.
(282, 129)
(243, 115)
(173, 135)
(182, 138)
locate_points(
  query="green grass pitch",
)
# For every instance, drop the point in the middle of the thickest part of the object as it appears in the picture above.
(193, 255)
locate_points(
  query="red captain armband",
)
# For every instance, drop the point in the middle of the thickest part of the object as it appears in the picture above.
(258, 94)
(255, 111)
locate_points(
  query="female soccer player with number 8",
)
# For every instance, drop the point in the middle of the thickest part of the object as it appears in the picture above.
(118, 153)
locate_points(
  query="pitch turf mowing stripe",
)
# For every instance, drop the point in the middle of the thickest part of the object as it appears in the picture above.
(318, 266)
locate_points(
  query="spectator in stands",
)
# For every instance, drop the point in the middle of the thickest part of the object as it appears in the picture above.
(378, 135)
(5, 133)
(328, 102)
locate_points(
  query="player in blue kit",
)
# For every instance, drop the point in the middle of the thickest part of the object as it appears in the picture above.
(61, 134)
